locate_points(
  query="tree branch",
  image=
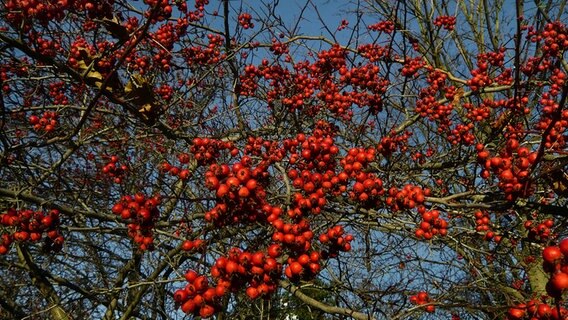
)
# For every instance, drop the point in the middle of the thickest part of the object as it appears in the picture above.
(322, 306)
(43, 285)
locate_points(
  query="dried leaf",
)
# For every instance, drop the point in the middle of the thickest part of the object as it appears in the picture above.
(502, 120)
(457, 96)
(139, 91)
(116, 29)
(147, 108)
(91, 76)
(560, 184)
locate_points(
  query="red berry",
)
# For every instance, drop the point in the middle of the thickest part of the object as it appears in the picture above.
(551, 254)
(564, 247)
(190, 276)
(559, 281)
(252, 292)
(180, 296)
(206, 311)
(296, 268)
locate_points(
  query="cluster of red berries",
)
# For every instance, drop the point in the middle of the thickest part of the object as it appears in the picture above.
(296, 237)
(555, 37)
(198, 297)
(105, 63)
(239, 191)
(383, 26)
(206, 150)
(89, 25)
(131, 24)
(115, 170)
(300, 93)
(555, 139)
(47, 122)
(480, 76)
(408, 198)
(95, 9)
(315, 152)
(431, 224)
(5, 242)
(193, 245)
(329, 60)
(411, 66)
(165, 92)
(505, 78)
(496, 59)
(344, 24)
(512, 167)
(141, 214)
(462, 134)
(427, 104)
(535, 65)
(338, 103)
(182, 173)
(336, 240)
(555, 262)
(29, 225)
(163, 12)
(245, 20)
(369, 86)
(306, 266)
(422, 298)
(446, 22)
(26, 10)
(558, 79)
(57, 93)
(199, 55)
(197, 14)
(279, 48)
(248, 80)
(81, 50)
(140, 64)
(421, 157)
(312, 189)
(315, 200)
(355, 162)
(480, 112)
(374, 52)
(45, 46)
(5, 72)
(312, 185)
(258, 272)
(165, 37)
(536, 310)
(541, 232)
(241, 198)
(269, 151)
(277, 77)
(482, 224)
(367, 189)
(393, 143)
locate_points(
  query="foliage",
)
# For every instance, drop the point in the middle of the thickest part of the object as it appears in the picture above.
(243, 160)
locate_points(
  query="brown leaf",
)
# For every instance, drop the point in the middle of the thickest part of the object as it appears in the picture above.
(139, 91)
(560, 184)
(116, 29)
(457, 96)
(92, 76)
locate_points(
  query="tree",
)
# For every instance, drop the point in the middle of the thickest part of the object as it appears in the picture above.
(239, 160)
